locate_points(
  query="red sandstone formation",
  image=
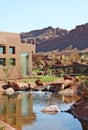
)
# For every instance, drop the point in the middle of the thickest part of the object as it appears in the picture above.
(49, 39)
(39, 82)
(16, 86)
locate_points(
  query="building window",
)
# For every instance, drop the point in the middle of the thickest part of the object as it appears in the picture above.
(2, 49)
(12, 61)
(25, 63)
(2, 61)
(12, 50)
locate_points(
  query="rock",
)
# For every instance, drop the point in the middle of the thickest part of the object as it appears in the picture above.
(39, 82)
(49, 39)
(5, 126)
(80, 109)
(11, 85)
(68, 83)
(51, 109)
(66, 92)
(24, 86)
(19, 86)
(69, 77)
(38, 88)
(55, 87)
(9, 91)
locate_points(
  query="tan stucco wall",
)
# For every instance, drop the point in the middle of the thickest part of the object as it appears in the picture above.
(13, 39)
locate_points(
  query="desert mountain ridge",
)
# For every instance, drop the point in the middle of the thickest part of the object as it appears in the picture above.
(49, 39)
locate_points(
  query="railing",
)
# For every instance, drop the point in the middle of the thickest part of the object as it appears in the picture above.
(70, 70)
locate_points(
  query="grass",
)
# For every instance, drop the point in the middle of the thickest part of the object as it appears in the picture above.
(50, 78)
(43, 78)
(2, 128)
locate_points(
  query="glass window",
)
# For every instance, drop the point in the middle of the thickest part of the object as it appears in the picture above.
(2, 50)
(2, 61)
(25, 64)
(12, 50)
(12, 61)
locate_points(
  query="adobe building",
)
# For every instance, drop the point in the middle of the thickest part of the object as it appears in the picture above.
(15, 56)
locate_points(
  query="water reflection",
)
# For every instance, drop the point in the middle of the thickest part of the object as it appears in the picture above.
(23, 110)
(46, 99)
(17, 110)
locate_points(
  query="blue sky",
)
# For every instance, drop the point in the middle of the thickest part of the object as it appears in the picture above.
(26, 15)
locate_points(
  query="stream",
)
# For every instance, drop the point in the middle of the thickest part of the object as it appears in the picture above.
(23, 111)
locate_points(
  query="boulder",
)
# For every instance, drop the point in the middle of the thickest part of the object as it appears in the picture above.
(69, 77)
(11, 85)
(68, 83)
(5, 126)
(9, 91)
(19, 86)
(51, 109)
(66, 92)
(55, 87)
(39, 82)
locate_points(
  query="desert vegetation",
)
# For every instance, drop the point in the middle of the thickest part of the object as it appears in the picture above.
(57, 63)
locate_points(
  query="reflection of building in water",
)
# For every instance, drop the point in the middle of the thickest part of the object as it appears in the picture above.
(17, 111)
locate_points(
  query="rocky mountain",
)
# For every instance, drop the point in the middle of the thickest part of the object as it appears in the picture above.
(49, 39)
(43, 35)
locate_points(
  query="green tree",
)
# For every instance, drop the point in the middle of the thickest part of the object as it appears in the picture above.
(8, 68)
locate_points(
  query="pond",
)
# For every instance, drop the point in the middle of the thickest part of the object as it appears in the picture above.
(23, 111)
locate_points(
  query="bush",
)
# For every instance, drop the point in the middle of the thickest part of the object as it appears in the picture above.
(86, 84)
(2, 128)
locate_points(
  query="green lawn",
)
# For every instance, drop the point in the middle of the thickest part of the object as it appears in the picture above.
(43, 78)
